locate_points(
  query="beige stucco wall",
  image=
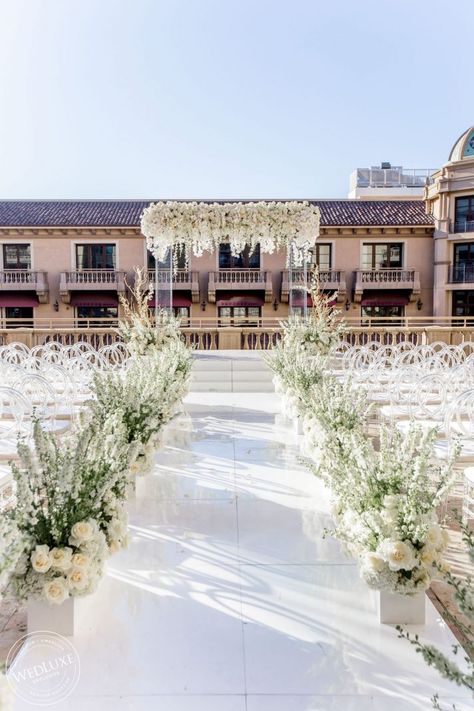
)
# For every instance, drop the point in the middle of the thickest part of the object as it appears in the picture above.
(54, 251)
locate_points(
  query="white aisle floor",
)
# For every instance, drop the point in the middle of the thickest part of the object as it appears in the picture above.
(229, 599)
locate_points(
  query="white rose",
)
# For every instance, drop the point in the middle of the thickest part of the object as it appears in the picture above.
(434, 537)
(78, 579)
(373, 561)
(398, 554)
(114, 546)
(82, 531)
(428, 555)
(61, 558)
(80, 560)
(56, 591)
(117, 528)
(40, 559)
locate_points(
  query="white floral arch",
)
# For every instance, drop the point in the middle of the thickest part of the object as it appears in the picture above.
(202, 226)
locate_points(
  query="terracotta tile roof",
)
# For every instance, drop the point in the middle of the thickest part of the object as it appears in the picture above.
(126, 213)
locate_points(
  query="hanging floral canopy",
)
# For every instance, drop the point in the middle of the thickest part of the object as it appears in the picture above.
(201, 226)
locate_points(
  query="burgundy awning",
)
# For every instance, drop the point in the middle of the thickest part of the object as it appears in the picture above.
(17, 299)
(178, 300)
(239, 299)
(94, 298)
(385, 299)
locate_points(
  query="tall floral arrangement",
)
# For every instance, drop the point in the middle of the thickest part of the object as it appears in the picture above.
(147, 394)
(385, 505)
(320, 331)
(69, 514)
(137, 328)
(201, 226)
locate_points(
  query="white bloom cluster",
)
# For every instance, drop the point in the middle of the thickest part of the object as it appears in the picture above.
(204, 226)
(385, 494)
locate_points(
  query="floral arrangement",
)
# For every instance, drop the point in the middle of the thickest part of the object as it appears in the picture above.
(385, 494)
(141, 333)
(203, 226)
(320, 331)
(385, 503)
(147, 395)
(69, 515)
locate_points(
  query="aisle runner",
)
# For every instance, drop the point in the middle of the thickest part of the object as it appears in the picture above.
(228, 598)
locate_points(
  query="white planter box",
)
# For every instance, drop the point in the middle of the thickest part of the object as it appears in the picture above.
(137, 488)
(66, 619)
(298, 426)
(401, 609)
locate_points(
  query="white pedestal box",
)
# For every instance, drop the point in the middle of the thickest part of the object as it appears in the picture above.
(66, 619)
(401, 609)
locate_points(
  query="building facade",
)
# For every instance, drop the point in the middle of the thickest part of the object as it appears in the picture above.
(69, 261)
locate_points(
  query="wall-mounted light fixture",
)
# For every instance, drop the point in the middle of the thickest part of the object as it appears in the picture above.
(419, 304)
(203, 305)
(56, 305)
(275, 305)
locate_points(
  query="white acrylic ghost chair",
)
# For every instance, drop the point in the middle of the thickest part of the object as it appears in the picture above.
(15, 420)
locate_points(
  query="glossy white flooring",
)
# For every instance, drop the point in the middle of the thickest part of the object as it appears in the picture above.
(228, 598)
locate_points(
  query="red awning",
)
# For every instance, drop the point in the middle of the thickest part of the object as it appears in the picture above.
(239, 299)
(18, 299)
(385, 299)
(94, 298)
(178, 300)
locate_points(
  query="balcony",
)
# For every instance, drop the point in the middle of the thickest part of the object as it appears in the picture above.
(25, 280)
(330, 280)
(461, 226)
(238, 280)
(407, 279)
(90, 280)
(461, 273)
(183, 280)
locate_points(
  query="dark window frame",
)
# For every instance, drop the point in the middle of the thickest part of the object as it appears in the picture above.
(373, 257)
(245, 260)
(19, 264)
(90, 259)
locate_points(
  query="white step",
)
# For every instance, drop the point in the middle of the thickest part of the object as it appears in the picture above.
(230, 371)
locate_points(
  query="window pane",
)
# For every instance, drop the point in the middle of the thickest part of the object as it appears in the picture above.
(323, 256)
(16, 256)
(367, 256)
(224, 256)
(254, 258)
(254, 311)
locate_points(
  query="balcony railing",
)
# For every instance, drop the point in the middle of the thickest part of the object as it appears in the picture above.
(180, 279)
(18, 277)
(90, 280)
(461, 273)
(25, 280)
(329, 279)
(240, 276)
(97, 277)
(386, 279)
(230, 279)
(462, 226)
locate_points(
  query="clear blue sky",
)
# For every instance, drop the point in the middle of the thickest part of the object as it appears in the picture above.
(226, 98)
